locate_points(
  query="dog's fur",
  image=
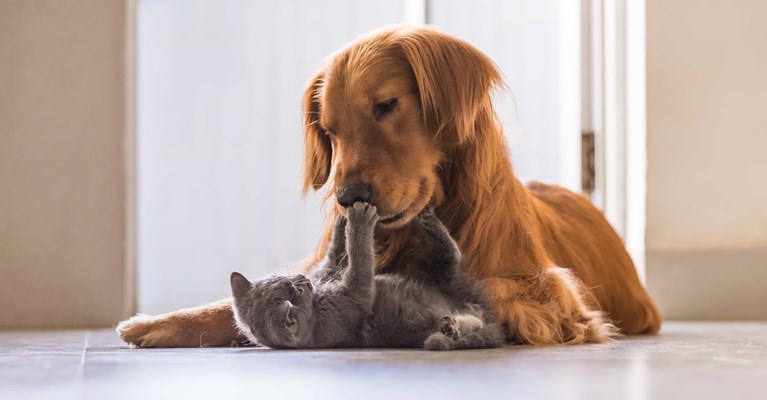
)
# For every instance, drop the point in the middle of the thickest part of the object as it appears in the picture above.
(554, 268)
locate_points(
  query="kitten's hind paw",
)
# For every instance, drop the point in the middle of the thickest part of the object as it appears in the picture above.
(438, 341)
(450, 328)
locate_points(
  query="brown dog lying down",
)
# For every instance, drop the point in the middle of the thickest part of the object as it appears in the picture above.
(403, 119)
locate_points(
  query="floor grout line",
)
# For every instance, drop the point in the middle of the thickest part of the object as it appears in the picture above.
(80, 372)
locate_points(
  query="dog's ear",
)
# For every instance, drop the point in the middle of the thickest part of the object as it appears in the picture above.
(454, 81)
(318, 150)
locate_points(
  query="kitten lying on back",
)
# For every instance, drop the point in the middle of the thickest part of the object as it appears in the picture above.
(343, 304)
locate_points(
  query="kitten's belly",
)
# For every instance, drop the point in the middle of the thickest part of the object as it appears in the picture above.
(405, 312)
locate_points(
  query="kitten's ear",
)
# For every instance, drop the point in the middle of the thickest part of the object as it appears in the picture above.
(284, 308)
(240, 284)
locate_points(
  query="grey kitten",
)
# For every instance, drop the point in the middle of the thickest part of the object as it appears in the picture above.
(342, 303)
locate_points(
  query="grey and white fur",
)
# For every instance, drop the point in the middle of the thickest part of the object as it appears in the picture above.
(342, 303)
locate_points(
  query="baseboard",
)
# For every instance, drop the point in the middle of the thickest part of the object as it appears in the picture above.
(709, 285)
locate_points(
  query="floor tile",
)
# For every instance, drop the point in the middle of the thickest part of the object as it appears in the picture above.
(687, 360)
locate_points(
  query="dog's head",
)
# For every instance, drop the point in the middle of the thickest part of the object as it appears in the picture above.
(382, 114)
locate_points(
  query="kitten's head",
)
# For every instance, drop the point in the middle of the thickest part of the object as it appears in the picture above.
(276, 311)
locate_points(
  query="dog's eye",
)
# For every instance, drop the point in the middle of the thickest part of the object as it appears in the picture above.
(384, 107)
(328, 131)
(325, 128)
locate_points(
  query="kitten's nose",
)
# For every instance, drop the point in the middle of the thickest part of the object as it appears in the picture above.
(359, 191)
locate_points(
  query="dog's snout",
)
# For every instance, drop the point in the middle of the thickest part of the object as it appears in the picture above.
(356, 192)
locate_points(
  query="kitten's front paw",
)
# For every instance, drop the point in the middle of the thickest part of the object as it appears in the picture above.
(426, 219)
(362, 214)
(426, 213)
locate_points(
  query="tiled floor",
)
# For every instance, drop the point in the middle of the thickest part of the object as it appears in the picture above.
(688, 360)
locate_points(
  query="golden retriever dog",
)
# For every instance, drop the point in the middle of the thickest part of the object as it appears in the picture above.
(403, 119)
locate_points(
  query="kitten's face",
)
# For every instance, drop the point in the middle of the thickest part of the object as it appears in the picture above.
(276, 312)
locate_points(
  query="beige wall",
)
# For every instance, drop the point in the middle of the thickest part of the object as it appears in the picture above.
(62, 119)
(707, 157)
(707, 124)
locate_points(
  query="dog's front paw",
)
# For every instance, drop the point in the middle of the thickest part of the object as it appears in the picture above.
(143, 331)
(209, 325)
(362, 215)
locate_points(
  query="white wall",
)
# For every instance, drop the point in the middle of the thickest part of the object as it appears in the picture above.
(536, 45)
(220, 138)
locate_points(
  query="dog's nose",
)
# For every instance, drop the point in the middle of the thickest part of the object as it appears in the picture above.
(356, 192)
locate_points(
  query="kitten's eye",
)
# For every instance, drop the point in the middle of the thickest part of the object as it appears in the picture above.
(385, 107)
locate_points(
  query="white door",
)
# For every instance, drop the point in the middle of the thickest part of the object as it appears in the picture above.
(219, 135)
